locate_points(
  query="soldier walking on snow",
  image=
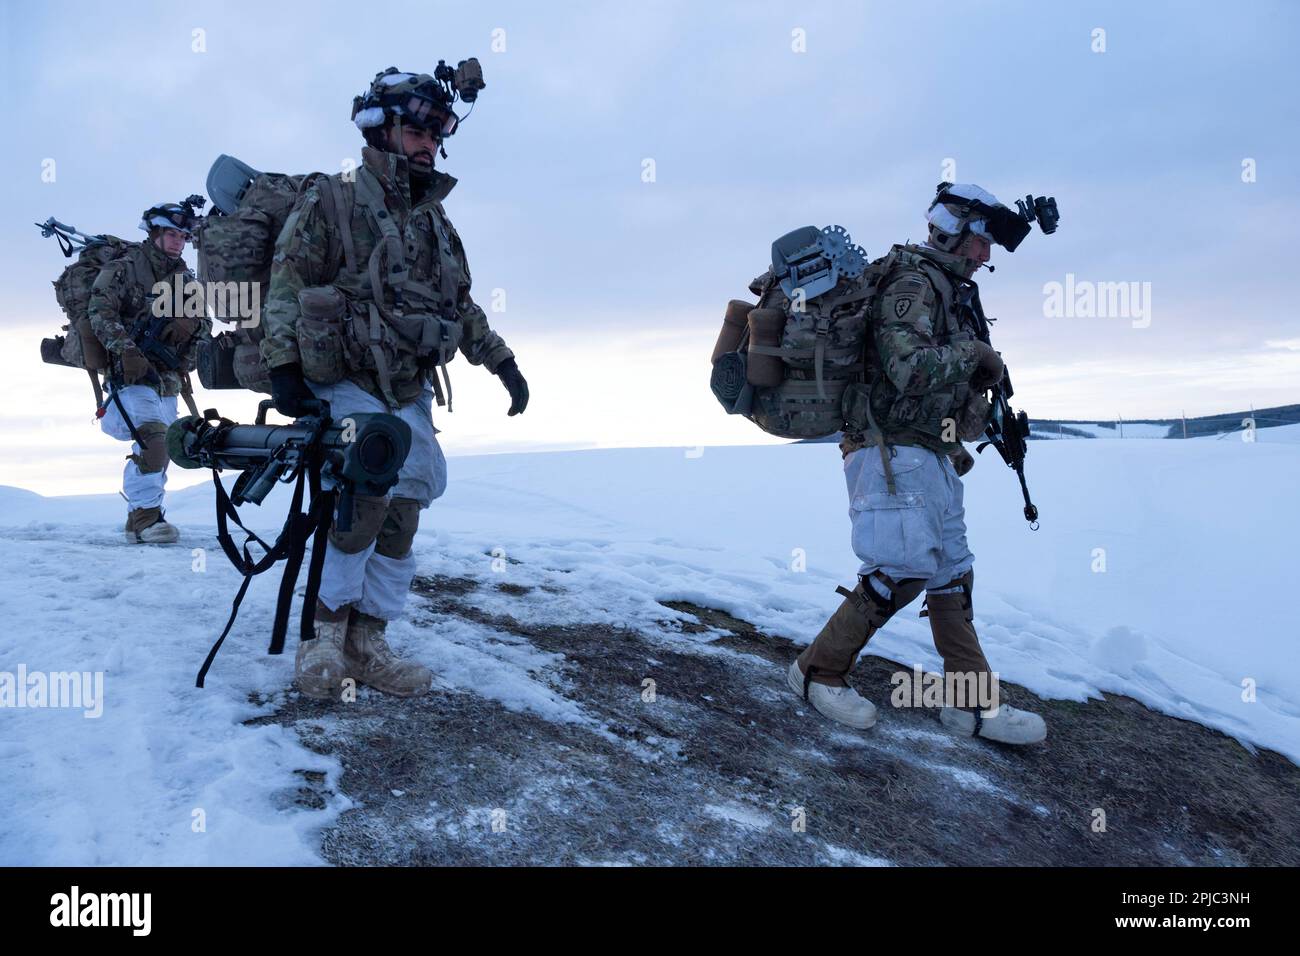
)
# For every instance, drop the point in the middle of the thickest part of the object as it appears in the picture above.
(149, 354)
(369, 299)
(928, 373)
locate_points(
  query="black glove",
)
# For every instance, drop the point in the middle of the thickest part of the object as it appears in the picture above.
(289, 390)
(508, 372)
(962, 461)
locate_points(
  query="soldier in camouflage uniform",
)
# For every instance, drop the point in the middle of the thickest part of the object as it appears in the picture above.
(928, 374)
(369, 299)
(142, 391)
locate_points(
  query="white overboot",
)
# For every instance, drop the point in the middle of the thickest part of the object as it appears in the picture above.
(146, 526)
(1004, 724)
(842, 704)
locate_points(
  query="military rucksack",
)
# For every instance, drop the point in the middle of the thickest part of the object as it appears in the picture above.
(787, 363)
(79, 347)
(236, 243)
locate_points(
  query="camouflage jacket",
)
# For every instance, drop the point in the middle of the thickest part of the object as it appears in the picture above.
(123, 295)
(925, 354)
(312, 251)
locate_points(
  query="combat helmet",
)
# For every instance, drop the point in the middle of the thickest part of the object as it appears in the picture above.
(181, 215)
(418, 98)
(959, 209)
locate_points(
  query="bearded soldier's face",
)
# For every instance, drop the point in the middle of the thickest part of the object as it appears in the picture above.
(418, 146)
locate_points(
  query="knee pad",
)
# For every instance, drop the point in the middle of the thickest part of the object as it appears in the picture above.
(398, 530)
(876, 607)
(152, 457)
(367, 517)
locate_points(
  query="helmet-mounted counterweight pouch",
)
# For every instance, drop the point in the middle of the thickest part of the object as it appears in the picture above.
(1006, 227)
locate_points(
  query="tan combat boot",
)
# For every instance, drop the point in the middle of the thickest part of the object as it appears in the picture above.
(146, 526)
(320, 667)
(371, 661)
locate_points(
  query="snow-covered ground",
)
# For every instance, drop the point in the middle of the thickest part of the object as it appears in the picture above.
(1161, 571)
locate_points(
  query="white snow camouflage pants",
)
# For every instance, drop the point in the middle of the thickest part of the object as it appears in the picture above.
(920, 532)
(375, 584)
(142, 404)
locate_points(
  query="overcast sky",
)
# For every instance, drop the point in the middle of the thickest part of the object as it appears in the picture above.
(613, 286)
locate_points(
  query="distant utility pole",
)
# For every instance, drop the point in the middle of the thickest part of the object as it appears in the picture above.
(1119, 422)
(1184, 423)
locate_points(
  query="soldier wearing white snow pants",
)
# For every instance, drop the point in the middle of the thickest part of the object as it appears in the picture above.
(145, 476)
(149, 356)
(928, 371)
(369, 300)
(370, 567)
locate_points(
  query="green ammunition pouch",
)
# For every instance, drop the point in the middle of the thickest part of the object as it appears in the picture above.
(322, 316)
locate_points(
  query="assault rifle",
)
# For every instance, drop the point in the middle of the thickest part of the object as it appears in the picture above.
(359, 454)
(1007, 430)
(147, 335)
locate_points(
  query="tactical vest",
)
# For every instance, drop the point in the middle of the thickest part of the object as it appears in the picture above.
(399, 281)
(140, 300)
(927, 418)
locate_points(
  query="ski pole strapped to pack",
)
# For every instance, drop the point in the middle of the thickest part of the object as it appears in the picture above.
(786, 361)
(360, 454)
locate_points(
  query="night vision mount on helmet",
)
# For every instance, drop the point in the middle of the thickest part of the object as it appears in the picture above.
(420, 99)
(979, 210)
(183, 215)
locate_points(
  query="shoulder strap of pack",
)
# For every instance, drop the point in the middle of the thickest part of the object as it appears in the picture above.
(370, 195)
(337, 210)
